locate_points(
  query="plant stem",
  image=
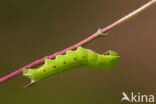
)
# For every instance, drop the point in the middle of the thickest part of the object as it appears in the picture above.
(83, 42)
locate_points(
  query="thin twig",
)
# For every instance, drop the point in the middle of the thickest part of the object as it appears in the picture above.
(83, 42)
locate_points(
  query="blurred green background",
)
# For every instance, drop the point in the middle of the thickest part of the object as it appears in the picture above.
(32, 29)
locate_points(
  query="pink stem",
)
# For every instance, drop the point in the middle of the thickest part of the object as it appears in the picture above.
(83, 42)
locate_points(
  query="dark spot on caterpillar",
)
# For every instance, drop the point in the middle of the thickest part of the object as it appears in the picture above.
(54, 66)
(44, 70)
(83, 56)
(74, 59)
(64, 62)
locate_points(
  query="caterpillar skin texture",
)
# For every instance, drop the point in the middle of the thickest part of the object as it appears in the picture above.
(80, 57)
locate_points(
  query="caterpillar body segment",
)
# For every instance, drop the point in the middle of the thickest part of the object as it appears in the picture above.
(72, 59)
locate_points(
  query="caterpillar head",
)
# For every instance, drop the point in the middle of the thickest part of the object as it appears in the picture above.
(110, 53)
(107, 61)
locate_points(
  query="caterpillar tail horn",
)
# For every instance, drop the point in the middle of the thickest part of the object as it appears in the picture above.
(29, 85)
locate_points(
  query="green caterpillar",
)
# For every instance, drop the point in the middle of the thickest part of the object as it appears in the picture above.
(80, 57)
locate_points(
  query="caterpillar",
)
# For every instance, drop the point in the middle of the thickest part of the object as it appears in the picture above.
(73, 59)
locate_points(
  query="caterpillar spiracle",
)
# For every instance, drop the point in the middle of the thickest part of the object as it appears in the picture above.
(80, 57)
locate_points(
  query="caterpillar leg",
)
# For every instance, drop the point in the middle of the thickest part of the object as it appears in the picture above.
(29, 85)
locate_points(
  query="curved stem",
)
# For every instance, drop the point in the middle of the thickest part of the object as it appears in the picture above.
(83, 42)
